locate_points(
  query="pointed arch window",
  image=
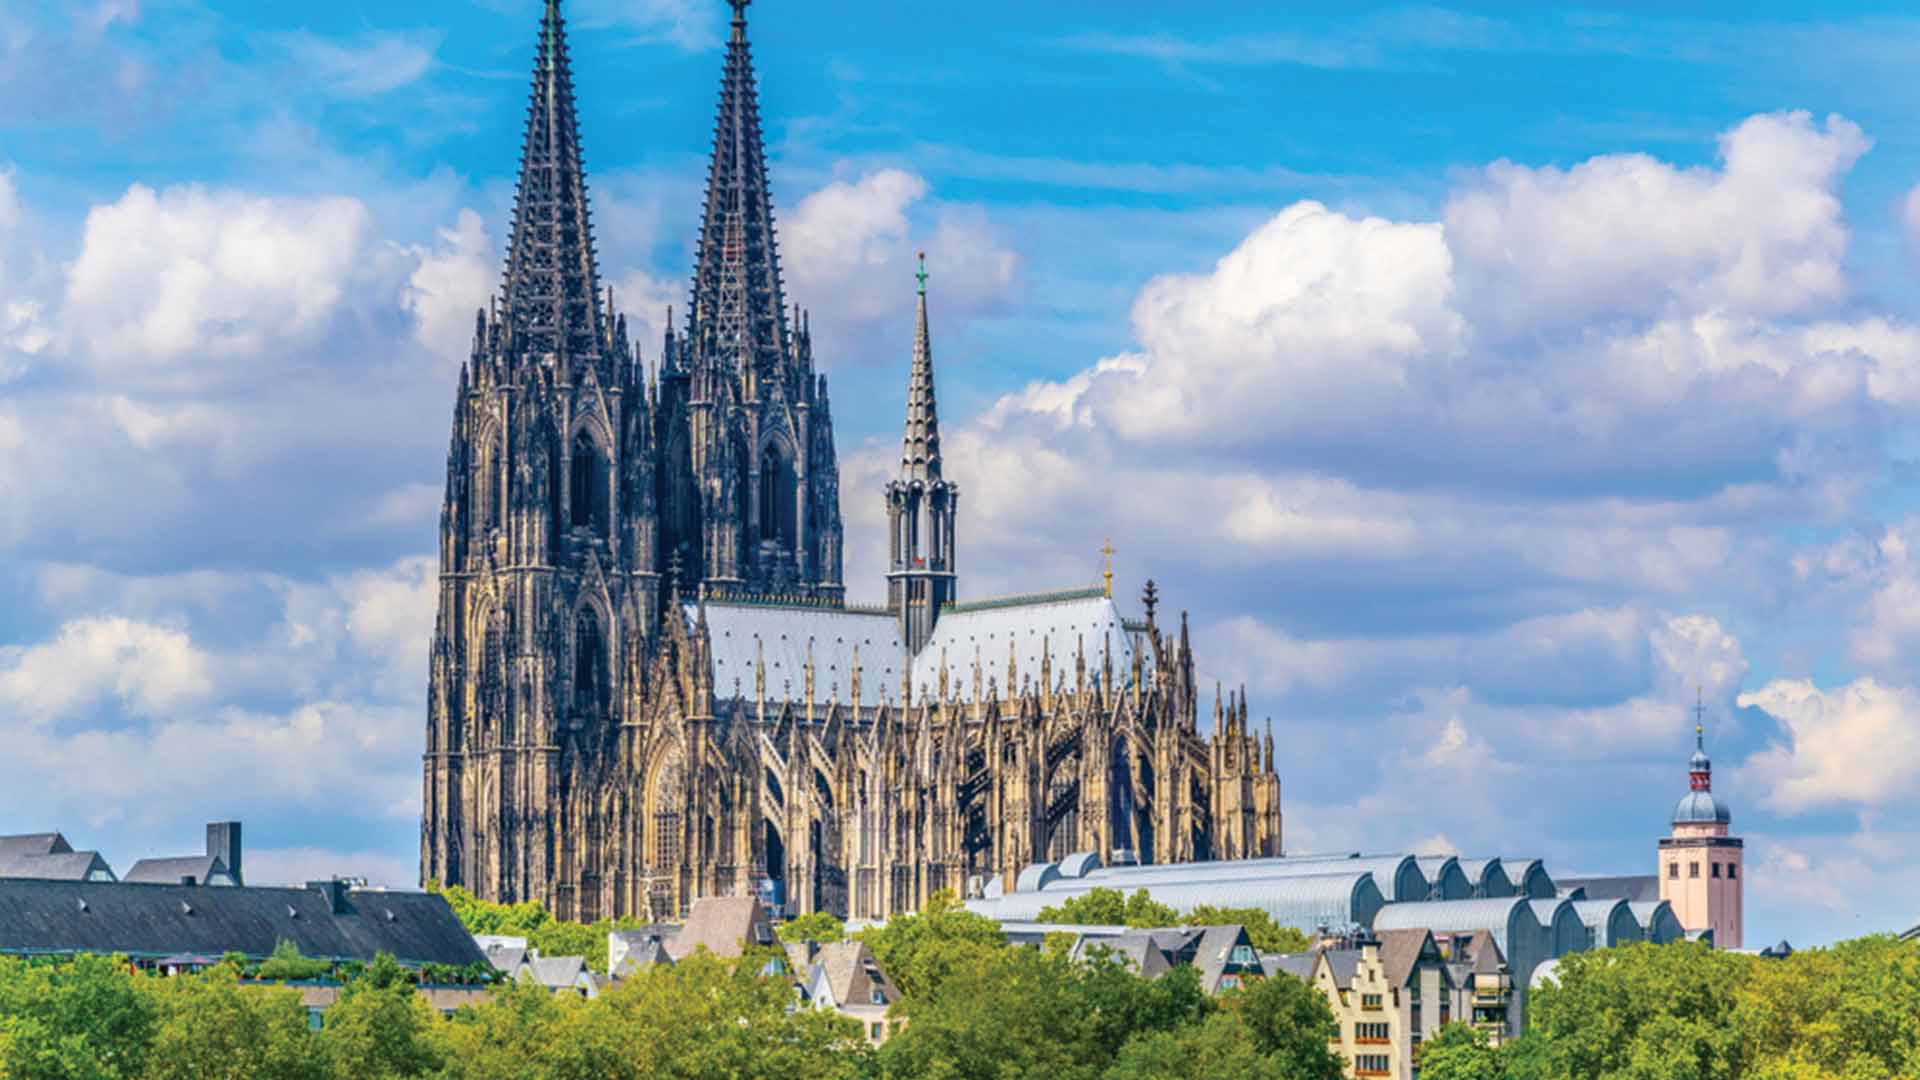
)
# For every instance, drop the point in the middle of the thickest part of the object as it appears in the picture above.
(589, 487)
(589, 665)
(776, 497)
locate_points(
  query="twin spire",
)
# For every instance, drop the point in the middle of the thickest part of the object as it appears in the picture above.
(551, 292)
(738, 309)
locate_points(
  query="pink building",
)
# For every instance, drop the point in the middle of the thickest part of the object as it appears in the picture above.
(1700, 864)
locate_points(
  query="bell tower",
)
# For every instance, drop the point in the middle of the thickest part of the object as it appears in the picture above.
(1702, 866)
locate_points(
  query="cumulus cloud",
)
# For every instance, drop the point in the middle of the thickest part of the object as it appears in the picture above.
(1627, 235)
(1852, 747)
(147, 668)
(192, 273)
(850, 249)
(450, 283)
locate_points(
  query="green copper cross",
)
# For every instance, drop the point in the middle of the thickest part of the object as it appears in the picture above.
(922, 275)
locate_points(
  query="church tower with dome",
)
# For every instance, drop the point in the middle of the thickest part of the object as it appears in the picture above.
(1701, 864)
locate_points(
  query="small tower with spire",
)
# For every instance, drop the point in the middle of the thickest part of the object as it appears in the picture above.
(1702, 869)
(921, 503)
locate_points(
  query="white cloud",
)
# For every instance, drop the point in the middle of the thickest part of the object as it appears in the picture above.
(850, 249)
(372, 64)
(688, 25)
(147, 668)
(192, 274)
(450, 284)
(299, 865)
(1856, 746)
(1628, 235)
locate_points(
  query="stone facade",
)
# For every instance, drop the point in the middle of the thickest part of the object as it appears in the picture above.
(646, 685)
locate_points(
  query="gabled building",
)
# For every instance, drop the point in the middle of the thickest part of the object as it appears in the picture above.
(845, 977)
(1388, 995)
(48, 857)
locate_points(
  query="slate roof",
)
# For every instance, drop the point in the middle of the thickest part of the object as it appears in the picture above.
(1400, 952)
(1635, 888)
(852, 975)
(150, 921)
(556, 972)
(68, 865)
(51, 843)
(1343, 963)
(201, 868)
(722, 924)
(1299, 965)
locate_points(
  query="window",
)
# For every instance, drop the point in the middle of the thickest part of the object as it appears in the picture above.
(1370, 1032)
(1372, 1065)
(589, 488)
(1693, 869)
(876, 1031)
(1243, 954)
(1673, 869)
(776, 497)
(1370, 1002)
(1716, 869)
(1732, 869)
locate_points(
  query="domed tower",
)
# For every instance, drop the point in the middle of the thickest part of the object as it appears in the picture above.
(1700, 864)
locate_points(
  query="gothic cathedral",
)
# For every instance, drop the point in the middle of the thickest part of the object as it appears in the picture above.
(647, 686)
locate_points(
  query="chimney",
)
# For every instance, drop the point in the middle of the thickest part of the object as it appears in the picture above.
(223, 842)
(336, 893)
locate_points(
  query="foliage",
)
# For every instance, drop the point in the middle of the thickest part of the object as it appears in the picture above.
(530, 919)
(380, 1028)
(1290, 1022)
(287, 965)
(1458, 1052)
(818, 926)
(920, 951)
(1638, 1011)
(1023, 1012)
(1108, 907)
(1265, 934)
(84, 1020)
(210, 1027)
(699, 1018)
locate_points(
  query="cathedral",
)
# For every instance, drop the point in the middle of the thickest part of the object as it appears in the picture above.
(647, 685)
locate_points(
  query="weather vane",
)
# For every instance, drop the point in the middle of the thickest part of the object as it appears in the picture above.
(1107, 550)
(922, 275)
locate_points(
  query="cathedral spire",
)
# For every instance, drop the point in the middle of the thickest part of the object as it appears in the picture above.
(920, 445)
(552, 284)
(738, 308)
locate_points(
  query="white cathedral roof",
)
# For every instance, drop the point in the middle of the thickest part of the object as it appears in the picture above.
(1056, 624)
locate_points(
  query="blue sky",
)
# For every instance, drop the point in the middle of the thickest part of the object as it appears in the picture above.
(1484, 379)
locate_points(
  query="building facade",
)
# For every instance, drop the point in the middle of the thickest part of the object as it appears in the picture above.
(1701, 863)
(646, 684)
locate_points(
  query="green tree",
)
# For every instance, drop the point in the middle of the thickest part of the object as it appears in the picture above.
(1291, 1023)
(380, 1029)
(210, 1027)
(818, 926)
(1024, 1012)
(84, 1019)
(918, 952)
(1851, 1011)
(1109, 907)
(1218, 1048)
(287, 965)
(1639, 1011)
(1458, 1052)
(1264, 934)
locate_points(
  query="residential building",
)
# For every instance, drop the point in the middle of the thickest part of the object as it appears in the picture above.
(844, 977)
(1388, 995)
(218, 865)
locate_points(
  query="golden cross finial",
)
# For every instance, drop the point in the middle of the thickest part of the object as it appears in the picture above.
(1106, 551)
